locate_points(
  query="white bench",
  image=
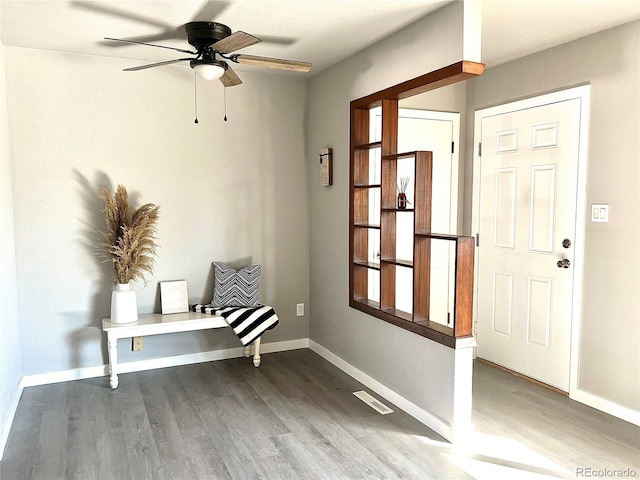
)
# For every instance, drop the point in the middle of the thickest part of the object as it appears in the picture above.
(156, 324)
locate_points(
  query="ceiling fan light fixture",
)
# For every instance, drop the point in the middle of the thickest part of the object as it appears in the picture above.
(210, 71)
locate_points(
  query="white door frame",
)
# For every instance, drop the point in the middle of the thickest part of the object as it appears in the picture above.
(583, 93)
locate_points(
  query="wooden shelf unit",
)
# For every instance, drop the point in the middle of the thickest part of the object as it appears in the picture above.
(360, 265)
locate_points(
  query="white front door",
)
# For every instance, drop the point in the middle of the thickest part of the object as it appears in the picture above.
(527, 233)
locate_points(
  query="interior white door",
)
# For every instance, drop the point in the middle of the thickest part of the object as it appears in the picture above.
(527, 226)
(436, 132)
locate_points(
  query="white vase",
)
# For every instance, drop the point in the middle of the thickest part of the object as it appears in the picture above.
(124, 307)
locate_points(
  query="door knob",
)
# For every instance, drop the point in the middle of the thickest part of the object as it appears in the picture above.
(566, 243)
(564, 263)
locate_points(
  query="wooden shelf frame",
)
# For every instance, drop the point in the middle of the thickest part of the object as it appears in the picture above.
(418, 322)
(360, 265)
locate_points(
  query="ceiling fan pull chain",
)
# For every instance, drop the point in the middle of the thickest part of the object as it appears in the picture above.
(225, 104)
(195, 94)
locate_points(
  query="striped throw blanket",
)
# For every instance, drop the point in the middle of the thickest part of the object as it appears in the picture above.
(248, 323)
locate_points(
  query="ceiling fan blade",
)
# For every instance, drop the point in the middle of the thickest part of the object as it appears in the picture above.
(176, 34)
(209, 11)
(230, 78)
(234, 42)
(150, 45)
(291, 65)
(159, 64)
(115, 12)
(277, 40)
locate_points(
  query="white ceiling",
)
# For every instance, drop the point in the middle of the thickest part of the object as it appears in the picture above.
(319, 31)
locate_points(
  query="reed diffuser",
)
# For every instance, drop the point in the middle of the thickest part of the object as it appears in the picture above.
(402, 192)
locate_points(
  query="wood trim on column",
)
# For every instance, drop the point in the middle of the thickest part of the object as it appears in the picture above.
(442, 77)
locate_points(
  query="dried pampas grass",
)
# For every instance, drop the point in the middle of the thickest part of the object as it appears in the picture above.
(130, 237)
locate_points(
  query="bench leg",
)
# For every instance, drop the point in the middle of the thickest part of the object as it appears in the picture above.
(256, 352)
(112, 343)
(247, 351)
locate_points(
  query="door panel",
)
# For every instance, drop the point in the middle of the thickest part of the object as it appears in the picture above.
(504, 208)
(539, 311)
(542, 208)
(502, 300)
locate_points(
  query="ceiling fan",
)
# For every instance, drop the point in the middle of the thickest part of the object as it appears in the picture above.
(214, 44)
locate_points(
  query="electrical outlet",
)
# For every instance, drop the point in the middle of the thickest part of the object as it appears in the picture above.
(138, 344)
(300, 309)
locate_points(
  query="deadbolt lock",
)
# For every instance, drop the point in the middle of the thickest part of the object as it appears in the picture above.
(566, 243)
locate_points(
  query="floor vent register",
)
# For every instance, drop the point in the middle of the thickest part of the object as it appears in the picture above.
(373, 403)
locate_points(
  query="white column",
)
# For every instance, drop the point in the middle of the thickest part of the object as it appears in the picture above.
(463, 390)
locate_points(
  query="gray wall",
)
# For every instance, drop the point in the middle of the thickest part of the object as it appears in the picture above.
(10, 361)
(610, 332)
(231, 191)
(420, 370)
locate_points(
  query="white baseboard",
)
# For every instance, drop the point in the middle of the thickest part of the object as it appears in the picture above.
(8, 420)
(162, 362)
(284, 346)
(434, 423)
(64, 376)
(612, 408)
(210, 356)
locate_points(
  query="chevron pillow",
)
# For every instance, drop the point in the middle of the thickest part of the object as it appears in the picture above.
(236, 288)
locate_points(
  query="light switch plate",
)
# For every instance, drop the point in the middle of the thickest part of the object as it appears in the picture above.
(600, 212)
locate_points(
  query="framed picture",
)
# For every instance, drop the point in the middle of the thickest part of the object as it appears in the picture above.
(174, 297)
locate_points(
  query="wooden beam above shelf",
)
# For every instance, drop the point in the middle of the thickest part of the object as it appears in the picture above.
(454, 73)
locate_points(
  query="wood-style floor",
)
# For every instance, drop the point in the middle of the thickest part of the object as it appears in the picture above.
(296, 417)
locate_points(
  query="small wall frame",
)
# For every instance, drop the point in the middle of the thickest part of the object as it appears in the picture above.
(326, 167)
